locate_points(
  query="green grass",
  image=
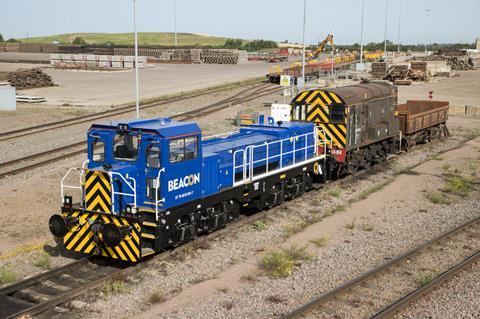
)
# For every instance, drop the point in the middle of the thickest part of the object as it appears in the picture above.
(146, 38)
(425, 279)
(366, 227)
(7, 275)
(156, 297)
(473, 133)
(277, 265)
(373, 189)
(335, 209)
(320, 242)
(294, 227)
(115, 287)
(43, 260)
(335, 192)
(438, 198)
(297, 253)
(280, 264)
(351, 225)
(259, 225)
(458, 184)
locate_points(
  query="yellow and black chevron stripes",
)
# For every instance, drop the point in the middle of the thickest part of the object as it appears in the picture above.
(80, 238)
(335, 132)
(318, 102)
(98, 195)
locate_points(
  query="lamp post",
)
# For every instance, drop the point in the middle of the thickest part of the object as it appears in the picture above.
(303, 40)
(399, 21)
(361, 35)
(175, 20)
(426, 30)
(385, 34)
(137, 96)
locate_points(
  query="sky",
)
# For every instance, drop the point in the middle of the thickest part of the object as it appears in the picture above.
(279, 20)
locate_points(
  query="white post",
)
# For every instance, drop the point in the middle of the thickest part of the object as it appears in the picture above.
(426, 30)
(175, 20)
(385, 33)
(361, 35)
(333, 59)
(137, 96)
(399, 23)
(303, 41)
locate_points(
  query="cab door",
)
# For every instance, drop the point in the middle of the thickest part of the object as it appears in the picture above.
(152, 169)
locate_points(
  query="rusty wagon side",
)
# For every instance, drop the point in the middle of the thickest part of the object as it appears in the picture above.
(421, 121)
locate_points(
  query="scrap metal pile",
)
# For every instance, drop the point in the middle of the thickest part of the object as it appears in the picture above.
(29, 79)
(458, 60)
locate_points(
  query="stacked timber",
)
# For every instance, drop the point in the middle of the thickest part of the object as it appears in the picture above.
(458, 61)
(379, 70)
(397, 72)
(418, 70)
(29, 79)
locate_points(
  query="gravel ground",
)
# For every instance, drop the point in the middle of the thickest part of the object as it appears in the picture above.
(457, 298)
(245, 296)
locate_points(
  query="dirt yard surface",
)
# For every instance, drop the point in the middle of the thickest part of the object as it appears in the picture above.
(95, 88)
(459, 91)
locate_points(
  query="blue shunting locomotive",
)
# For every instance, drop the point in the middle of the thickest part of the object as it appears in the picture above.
(152, 184)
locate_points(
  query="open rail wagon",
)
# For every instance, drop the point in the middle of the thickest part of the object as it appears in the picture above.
(422, 121)
(363, 124)
(148, 185)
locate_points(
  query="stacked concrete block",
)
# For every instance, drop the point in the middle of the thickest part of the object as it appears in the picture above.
(105, 61)
(12, 47)
(117, 62)
(242, 56)
(128, 62)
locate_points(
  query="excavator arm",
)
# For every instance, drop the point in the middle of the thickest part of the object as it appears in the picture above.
(321, 46)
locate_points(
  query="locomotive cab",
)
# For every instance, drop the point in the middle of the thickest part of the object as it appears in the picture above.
(132, 170)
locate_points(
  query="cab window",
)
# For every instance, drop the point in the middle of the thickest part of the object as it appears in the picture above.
(98, 151)
(183, 149)
(337, 113)
(125, 147)
(153, 156)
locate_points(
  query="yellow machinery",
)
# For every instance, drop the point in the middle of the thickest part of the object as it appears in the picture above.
(315, 54)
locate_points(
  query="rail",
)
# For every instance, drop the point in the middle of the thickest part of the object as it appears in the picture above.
(288, 150)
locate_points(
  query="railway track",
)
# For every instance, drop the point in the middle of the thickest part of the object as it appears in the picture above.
(366, 295)
(45, 295)
(4, 136)
(43, 158)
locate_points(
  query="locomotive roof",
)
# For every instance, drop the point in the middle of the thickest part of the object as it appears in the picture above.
(358, 93)
(162, 126)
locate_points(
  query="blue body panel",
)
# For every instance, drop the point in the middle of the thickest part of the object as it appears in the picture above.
(204, 170)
